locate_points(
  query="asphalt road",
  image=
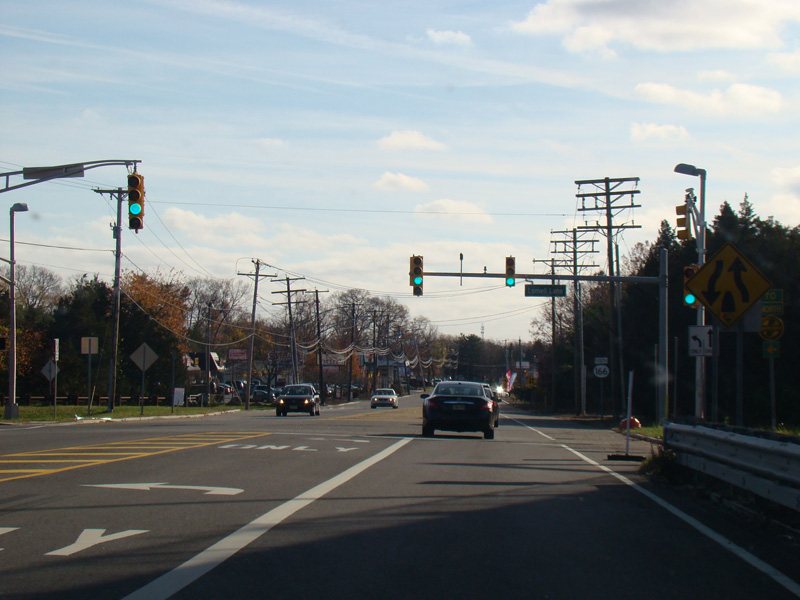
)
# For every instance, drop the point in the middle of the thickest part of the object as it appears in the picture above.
(355, 503)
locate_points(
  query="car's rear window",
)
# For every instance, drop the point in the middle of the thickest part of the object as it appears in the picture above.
(458, 390)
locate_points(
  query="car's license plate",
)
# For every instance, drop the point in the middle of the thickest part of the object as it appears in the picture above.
(459, 407)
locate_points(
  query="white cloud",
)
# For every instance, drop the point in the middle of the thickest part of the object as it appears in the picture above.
(716, 75)
(465, 212)
(787, 61)
(738, 99)
(398, 181)
(269, 143)
(209, 227)
(458, 38)
(646, 131)
(787, 177)
(409, 140)
(678, 25)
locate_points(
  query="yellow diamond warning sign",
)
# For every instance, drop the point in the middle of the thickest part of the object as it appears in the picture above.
(728, 284)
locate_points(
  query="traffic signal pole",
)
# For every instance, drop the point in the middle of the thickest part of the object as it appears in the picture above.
(116, 228)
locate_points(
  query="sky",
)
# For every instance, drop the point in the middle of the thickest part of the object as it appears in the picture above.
(333, 140)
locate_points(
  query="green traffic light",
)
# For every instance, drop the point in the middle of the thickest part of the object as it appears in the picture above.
(135, 209)
(510, 281)
(690, 299)
(418, 280)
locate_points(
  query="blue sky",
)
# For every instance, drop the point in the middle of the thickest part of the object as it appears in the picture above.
(335, 139)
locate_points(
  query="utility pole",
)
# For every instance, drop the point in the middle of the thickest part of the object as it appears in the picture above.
(208, 358)
(553, 264)
(572, 245)
(610, 200)
(292, 346)
(322, 390)
(116, 228)
(352, 351)
(255, 276)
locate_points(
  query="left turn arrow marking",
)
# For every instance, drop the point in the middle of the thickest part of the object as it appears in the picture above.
(210, 491)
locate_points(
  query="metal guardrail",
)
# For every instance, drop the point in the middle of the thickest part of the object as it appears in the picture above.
(767, 467)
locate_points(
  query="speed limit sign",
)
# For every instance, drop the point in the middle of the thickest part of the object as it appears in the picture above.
(601, 371)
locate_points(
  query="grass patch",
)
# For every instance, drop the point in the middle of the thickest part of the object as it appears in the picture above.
(654, 431)
(68, 412)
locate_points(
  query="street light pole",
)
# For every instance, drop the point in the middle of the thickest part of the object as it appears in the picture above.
(700, 363)
(11, 408)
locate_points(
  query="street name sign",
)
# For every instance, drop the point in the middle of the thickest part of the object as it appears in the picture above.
(728, 284)
(545, 290)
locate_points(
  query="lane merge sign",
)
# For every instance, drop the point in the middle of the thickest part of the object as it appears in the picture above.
(728, 284)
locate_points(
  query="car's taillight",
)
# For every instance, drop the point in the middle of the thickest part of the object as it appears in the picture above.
(489, 405)
(431, 403)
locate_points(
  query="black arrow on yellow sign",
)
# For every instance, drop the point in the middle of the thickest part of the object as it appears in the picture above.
(737, 268)
(711, 294)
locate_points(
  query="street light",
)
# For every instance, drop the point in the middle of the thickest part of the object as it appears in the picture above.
(12, 409)
(700, 364)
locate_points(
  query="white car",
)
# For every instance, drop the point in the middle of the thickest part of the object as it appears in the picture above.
(384, 397)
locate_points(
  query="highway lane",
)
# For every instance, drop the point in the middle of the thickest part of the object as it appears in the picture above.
(355, 503)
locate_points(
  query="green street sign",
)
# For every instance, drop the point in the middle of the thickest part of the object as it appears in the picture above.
(545, 290)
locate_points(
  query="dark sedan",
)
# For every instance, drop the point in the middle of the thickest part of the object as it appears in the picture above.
(459, 406)
(298, 398)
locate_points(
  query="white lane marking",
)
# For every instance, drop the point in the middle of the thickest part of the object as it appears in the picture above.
(93, 537)
(7, 530)
(526, 426)
(304, 449)
(746, 556)
(194, 568)
(210, 491)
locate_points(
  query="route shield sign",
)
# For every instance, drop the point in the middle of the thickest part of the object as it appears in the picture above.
(728, 284)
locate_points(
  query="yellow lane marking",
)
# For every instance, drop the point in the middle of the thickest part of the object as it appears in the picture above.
(113, 451)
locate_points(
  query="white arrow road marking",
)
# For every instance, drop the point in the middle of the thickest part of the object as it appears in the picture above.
(271, 447)
(93, 537)
(344, 449)
(7, 530)
(171, 582)
(210, 491)
(304, 449)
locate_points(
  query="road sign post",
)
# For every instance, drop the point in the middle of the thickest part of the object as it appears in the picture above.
(772, 329)
(143, 357)
(89, 347)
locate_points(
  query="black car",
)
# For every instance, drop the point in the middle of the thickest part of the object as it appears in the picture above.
(459, 406)
(262, 393)
(298, 398)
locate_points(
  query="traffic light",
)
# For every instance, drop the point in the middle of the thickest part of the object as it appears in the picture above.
(511, 270)
(135, 201)
(684, 221)
(415, 274)
(689, 299)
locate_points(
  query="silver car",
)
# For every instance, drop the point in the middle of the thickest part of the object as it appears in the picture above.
(384, 397)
